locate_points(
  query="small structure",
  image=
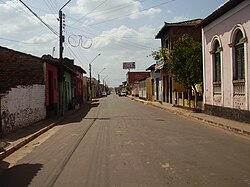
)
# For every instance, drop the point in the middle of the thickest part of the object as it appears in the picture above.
(22, 89)
(226, 63)
(132, 81)
(155, 89)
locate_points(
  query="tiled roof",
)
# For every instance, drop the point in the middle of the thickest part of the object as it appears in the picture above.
(188, 23)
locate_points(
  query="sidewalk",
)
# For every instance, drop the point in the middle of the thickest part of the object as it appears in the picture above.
(11, 142)
(237, 127)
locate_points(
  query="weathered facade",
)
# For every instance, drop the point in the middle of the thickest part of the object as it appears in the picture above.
(22, 88)
(155, 92)
(132, 81)
(169, 34)
(226, 62)
(51, 89)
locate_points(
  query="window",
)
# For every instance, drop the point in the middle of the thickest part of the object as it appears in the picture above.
(238, 41)
(217, 62)
(239, 65)
(216, 49)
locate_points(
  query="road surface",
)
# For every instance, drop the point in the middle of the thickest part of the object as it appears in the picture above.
(120, 142)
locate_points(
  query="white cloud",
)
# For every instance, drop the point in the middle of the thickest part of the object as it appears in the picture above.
(19, 19)
(44, 38)
(179, 19)
(16, 19)
(97, 11)
(126, 36)
(149, 12)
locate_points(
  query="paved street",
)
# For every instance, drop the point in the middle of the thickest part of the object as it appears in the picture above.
(120, 142)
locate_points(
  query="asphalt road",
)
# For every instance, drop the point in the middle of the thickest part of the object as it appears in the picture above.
(119, 142)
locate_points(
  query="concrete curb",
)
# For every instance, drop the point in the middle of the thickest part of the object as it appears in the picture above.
(210, 122)
(11, 150)
(31, 137)
(222, 125)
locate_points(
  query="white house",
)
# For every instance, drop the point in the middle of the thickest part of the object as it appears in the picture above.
(226, 65)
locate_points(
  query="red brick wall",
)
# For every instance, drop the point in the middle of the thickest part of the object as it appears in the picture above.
(19, 69)
(136, 76)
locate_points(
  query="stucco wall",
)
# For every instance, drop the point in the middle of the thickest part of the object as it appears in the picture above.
(223, 29)
(22, 106)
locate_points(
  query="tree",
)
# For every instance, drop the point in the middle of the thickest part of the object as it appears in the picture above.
(186, 62)
(162, 53)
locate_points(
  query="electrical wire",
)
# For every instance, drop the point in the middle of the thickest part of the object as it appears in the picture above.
(93, 9)
(111, 9)
(124, 40)
(40, 19)
(74, 55)
(113, 19)
(17, 41)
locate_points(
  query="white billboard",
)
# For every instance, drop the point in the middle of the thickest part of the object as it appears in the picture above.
(128, 65)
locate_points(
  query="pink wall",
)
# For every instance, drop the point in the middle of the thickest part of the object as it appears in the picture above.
(223, 28)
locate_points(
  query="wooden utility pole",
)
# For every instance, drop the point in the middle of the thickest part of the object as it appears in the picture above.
(61, 77)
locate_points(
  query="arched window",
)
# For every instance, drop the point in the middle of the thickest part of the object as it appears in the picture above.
(217, 61)
(239, 58)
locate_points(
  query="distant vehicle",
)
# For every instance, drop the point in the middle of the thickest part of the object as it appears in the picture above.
(123, 93)
(104, 94)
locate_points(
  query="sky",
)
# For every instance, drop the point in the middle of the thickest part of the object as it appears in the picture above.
(121, 31)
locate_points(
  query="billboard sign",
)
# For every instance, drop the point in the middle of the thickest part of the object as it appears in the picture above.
(128, 65)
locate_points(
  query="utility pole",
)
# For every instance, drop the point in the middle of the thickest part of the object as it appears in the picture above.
(90, 78)
(61, 77)
(90, 82)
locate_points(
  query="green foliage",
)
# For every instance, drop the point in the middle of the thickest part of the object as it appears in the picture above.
(162, 53)
(186, 61)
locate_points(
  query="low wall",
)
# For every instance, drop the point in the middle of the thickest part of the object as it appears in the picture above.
(229, 113)
(22, 106)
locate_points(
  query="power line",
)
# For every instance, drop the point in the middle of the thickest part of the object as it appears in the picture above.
(74, 55)
(17, 41)
(93, 9)
(111, 9)
(98, 23)
(124, 40)
(21, 9)
(49, 6)
(40, 19)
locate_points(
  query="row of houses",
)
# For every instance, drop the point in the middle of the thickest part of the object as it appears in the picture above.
(226, 68)
(29, 88)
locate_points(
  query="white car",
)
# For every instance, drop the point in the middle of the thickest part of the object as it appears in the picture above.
(104, 94)
(123, 94)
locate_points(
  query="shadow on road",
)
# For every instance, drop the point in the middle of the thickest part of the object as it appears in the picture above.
(79, 115)
(70, 116)
(19, 175)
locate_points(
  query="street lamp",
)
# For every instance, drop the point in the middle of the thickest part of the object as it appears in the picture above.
(90, 80)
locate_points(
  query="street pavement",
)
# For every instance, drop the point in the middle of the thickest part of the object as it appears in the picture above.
(13, 141)
(119, 142)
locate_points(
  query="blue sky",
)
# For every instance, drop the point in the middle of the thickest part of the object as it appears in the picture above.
(119, 30)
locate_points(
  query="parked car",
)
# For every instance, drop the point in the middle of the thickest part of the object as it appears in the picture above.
(104, 94)
(123, 93)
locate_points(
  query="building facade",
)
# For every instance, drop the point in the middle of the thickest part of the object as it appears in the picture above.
(22, 89)
(169, 34)
(226, 63)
